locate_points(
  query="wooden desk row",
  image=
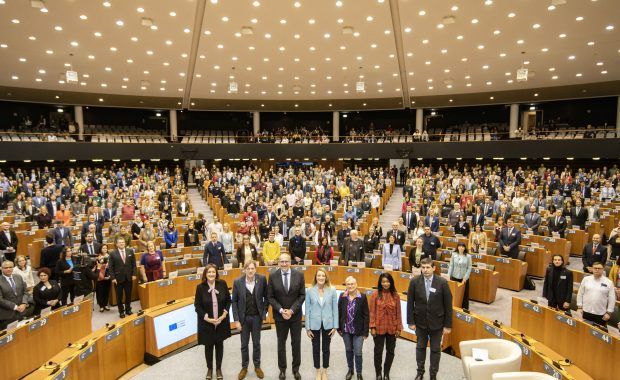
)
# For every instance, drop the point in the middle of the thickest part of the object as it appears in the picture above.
(591, 349)
(24, 349)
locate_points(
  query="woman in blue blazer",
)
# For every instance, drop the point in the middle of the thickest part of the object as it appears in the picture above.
(321, 319)
(171, 236)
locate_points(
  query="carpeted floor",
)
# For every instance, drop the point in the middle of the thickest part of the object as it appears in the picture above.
(190, 364)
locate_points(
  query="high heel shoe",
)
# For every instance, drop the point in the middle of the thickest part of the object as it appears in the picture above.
(209, 374)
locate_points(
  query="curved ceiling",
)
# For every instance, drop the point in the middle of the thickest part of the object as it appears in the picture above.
(186, 52)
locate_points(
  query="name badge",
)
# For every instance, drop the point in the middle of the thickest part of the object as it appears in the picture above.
(562, 277)
(604, 285)
(432, 290)
(432, 243)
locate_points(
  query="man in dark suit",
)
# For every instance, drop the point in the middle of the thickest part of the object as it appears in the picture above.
(122, 266)
(249, 308)
(8, 241)
(477, 219)
(270, 215)
(430, 243)
(108, 212)
(14, 301)
(410, 218)
(352, 249)
(487, 208)
(429, 313)
(297, 247)
(286, 294)
(509, 240)
(4, 199)
(557, 223)
(50, 255)
(398, 234)
(532, 220)
(593, 252)
(432, 221)
(62, 234)
(503, 213)
(579, 215)
(90, 247)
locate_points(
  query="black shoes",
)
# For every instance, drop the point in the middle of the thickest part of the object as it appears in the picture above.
(386, 377)
(359, 376)
(282, 375)
(349, 375)
(209, 374)
(129, 312)
(419, 376)
(379, 377)
(296, 375)
(122, 315)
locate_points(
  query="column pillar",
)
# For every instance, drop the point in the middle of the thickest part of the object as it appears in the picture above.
(256, 122)
(618, 118)
(514, 120)
(79, 120)
(419, 119)
(173, 126)
(336, 126)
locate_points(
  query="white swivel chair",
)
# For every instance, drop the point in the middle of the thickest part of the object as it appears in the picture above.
(504, 356)
(522, 376)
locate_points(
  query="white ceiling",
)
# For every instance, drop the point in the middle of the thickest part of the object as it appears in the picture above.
(307, 47)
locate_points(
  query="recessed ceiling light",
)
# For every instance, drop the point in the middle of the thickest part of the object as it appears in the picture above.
(480, 47)
(256, 3)
(424, 41)
(496, 32)
(120, 22)
(502, 55)
(38, 79)
(172, 14)
(591, 43)
(563, 35)
(326, 35)
(297, 4)
(520, 42)
(340, 21)
(311, 21)
(459, 37)
(149, 52)
(97, 34)
(282, 21)
(422, 12)
(485, 67)
(296, 36)
(168, 42)
(407, 30)
(536, 26)
(444, 51)
(551, 7)
(474, 21)
(281, 48)
(107, 4)
(74, 43)
(32, 38)
(15, 77)
(599, 63)
(554, 77)
(604, 72)
(464, 59)
(22, 59)
(140, 10)
(544, 50)
(356, 34)
(267, 35)
(609, 27)
(58, 28)
(186, 30)
(511, 14)
(369, 18)
(552, 69)
(338, 3)
(104, 85)
(83, 17)
(579, 18)
(216, 67)
(184, 55)
(578, 75)
(225, 18)
(571, 57)
(15, 21)
(427, 62)
(468, 85)
(488, 2)
(220, 46)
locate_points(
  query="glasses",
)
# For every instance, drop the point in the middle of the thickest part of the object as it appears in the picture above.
(597, 268)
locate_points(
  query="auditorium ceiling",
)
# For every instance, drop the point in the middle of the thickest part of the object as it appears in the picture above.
(307, 54)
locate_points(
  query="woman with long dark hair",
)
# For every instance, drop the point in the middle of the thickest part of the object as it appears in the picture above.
(64, 272)
(459, 270)
(385, 323)
(324, 252)
(558, 284)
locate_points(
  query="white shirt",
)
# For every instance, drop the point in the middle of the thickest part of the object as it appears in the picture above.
(288, 280)
(596, 296)
(375, 200)
(250, 285)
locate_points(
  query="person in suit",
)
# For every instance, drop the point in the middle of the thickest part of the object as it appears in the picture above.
(50, 255)
(190, 238)
(391, 254)
(214, 253)
(353, 249)
(249, 308)
(8, 241)
(432, 220)
(246, 252)
(509, 240)
(64, 272)
(123, 271)
(297, 247)
(62, 234)
(321, 319)
(14, 300)
(212, 302)
(97, 236)
(91, 247)
(417, 253)
(558, 284)
(557, 223)
(398, 234)
(286, 294)
(503, 213)
(410, 218)
(459, 270)
(429, 313)
(183, 207)
(593, 252)
(477, 219)
(108, 212)
(353, 325)
(46, 293)
(385, 323)
(579, 215)
(461, 227)
(532, 220)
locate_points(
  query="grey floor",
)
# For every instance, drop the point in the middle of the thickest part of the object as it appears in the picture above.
(190, 364)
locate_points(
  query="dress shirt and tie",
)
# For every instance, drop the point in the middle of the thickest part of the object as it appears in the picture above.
(427, 285)
(285, 279)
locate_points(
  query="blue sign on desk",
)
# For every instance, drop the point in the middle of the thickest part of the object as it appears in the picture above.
(89, 351)
(6, 339)
(601, 335)
(163, 283)
(353, 270)
(62, 374)
(71, 310)
(114, 334)
(549, 370)
(37, 324)
(138, 321)
(494, 331)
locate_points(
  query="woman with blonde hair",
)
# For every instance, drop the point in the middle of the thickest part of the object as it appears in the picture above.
(321, 319)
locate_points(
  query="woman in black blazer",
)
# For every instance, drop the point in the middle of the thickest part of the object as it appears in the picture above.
(241, 251)
(46, 293)
(558, 285)
(212, 302)
(461, 227)
(64, 273)
(353, 326)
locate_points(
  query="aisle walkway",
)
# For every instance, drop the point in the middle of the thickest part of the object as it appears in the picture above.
(392, 210)
(198, 204)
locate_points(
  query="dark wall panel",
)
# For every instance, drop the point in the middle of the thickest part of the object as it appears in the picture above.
(12, 114)
(139, 118)
(212, 120)
(296, 120)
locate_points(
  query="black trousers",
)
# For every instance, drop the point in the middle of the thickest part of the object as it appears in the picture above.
(251, 326)
(420, 353)
(219, 354)
(282, 331)
(465, 304)
(124, 288)
(390, 344)
(598, 319)
(317, 347)
(68, 294)
(103, 292)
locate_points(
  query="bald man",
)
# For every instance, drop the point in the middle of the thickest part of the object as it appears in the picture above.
(593, 252)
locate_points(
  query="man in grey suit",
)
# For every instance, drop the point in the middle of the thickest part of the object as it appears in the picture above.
(286, 294)
(62, 234)
(429, 313)
(249, 308)
(532, 220)
(123, 271)
(14, 301)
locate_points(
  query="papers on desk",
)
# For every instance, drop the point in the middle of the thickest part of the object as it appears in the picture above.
(228, 266)
(333, 263)
(481, 265)
(172, 275)
(480, 354)
(388, 267)
(307, 262)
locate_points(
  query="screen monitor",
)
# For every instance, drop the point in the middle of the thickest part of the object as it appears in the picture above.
(175, 326)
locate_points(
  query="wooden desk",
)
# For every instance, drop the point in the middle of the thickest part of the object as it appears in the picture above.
(24, 349)
(483, 283)
(589, 348)
(578, 240)
(538, 259)
(512, 271)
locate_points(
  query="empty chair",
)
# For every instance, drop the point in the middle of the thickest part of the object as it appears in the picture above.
(503, 356)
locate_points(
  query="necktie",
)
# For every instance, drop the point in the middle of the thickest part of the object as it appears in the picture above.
(428, 287)
(90, 249)
(577, 211)
(123, 256)
(594, 247)
(285, 281)
(557, 220)
(12, 283)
